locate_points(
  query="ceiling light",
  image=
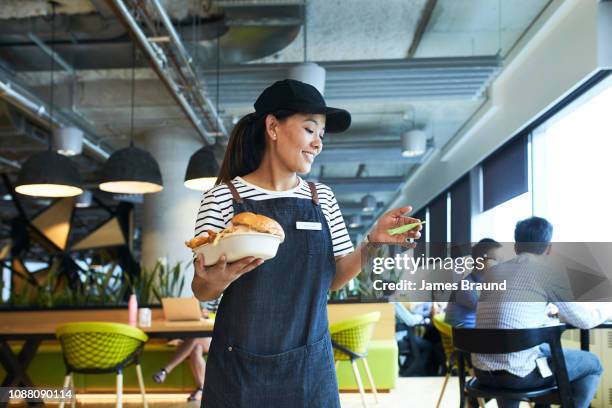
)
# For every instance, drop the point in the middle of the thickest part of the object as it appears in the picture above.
(49, 174)
(414, 143)
(202, 170)
(131, 171)
(309, 73)
(355, 221)
(84, 200)
(368, 203)
(68, 141)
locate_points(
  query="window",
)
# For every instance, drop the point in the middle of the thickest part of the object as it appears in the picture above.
(437, 232)
(504, 173)
(506, 192)
(460, 218)
(499, 222)
(572, 167)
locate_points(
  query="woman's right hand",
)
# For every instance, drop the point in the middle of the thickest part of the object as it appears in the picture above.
(220, 275)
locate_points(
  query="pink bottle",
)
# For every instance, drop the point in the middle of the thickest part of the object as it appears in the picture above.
(133, 310)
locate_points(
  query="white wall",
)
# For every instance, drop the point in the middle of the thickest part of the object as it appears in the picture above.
(169, 216)
(561, 50)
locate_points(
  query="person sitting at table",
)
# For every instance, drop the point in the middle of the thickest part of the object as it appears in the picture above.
(530, 284)
(194, 348)
(424, 352)
(461, 308)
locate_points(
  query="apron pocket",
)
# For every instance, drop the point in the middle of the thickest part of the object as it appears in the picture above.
(315, 240)
(280, 380)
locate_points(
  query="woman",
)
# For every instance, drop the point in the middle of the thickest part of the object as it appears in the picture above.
(271, 344)
(193, 348)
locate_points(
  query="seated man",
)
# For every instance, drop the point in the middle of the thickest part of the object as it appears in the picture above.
(420, 355)
(461, 309)
(529, 277)
(416, 313)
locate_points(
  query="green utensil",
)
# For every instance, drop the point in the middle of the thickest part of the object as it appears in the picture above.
(404, 228)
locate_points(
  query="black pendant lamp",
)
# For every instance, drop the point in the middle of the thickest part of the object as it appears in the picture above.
(202, 170)
(131, 170)
(49, 174)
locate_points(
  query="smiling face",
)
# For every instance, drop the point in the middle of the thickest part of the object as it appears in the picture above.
(296, 140)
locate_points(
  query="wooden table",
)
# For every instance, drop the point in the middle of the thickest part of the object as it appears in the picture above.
(34, 326)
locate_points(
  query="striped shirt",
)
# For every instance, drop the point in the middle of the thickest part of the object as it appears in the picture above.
(216, 208)
(531, 284)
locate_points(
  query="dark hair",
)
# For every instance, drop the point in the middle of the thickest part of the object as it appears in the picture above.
(246, 145)
(480, 249)
(532, 235)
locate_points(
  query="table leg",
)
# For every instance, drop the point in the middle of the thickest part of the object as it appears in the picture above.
(16, 366)
(584, 340)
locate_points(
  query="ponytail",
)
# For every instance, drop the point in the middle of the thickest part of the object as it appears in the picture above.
(246, 146)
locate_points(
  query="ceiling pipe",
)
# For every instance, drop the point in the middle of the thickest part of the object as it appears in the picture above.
(19, 96)
(369, 152)
(188, 63)
(241, 3)
(10, 163)
(153, 53)
(52, 54)
(349, 185)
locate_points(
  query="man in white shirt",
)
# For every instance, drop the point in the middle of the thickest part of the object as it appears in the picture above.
(531, 284)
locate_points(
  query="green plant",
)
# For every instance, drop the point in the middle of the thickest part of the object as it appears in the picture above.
(153, 284)
(101, 285)
(105, 287)
(22, 298)
(362, 286)
(142, 285)
(171, 280)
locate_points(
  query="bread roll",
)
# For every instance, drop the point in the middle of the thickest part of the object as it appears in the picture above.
(243, 222)
(259, 223)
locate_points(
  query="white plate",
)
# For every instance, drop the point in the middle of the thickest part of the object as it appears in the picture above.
(240, 245)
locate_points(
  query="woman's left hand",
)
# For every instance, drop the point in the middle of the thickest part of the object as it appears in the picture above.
(392, 219)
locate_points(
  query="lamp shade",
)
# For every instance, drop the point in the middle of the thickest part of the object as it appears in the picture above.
(68, 141)
(49, 174)
(368, 203)
(131, 171)
(202, 170)
(355, 221)
(414, 143)
(309, 73)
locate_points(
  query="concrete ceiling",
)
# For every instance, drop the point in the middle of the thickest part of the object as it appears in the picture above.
(477, 27)
(337, 31)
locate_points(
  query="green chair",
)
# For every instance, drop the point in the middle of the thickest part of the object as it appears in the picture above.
(446, 335)
(101, 347)
(350, 340)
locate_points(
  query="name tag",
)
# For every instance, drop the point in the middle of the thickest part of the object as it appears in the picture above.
(303, 225)
(542, 364)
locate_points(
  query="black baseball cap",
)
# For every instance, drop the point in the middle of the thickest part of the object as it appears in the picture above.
(297, 96)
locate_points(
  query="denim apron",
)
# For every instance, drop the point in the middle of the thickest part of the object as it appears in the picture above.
(271, 345)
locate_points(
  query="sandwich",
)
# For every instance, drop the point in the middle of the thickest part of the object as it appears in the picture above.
(243, 222)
